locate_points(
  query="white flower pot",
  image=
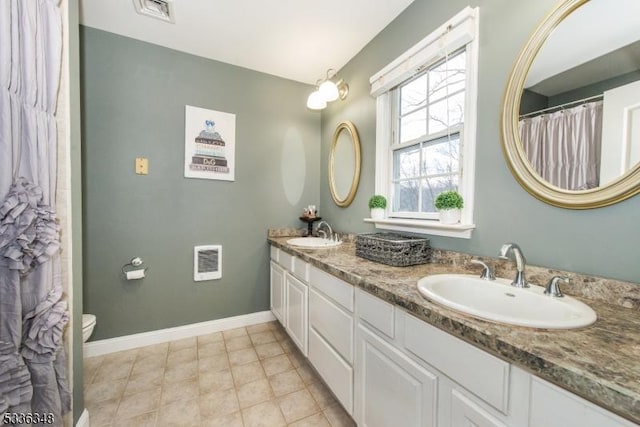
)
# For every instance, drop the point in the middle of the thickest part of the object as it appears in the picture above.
(377, 213)
(449, 216)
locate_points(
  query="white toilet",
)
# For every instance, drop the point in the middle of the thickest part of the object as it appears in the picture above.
(88, 323)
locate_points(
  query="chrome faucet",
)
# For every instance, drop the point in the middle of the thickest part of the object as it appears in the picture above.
(487, 272)
(553, 287)
(507, 249)
(326, 235)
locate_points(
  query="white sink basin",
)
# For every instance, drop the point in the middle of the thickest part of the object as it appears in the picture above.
(313, 242)
(500, 302)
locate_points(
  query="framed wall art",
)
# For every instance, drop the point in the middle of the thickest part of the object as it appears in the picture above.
(209, 144)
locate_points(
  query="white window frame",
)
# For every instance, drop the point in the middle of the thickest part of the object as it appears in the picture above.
(460, 31)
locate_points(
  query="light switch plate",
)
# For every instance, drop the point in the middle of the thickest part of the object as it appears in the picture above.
(142, 166)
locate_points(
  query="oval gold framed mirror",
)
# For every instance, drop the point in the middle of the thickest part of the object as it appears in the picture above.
(344, 164)
(550, 59)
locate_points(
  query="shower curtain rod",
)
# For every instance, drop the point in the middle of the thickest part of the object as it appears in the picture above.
(578, 101)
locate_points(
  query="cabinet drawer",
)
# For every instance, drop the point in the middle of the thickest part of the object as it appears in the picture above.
(274, 253)
(464, 412)
(336, 289)
(333, 369)
(552, 406)
(479, 372)
(333, 323)
(376, 312)
(300, 269)
(285, 260)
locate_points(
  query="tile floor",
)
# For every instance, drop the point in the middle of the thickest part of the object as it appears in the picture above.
(246, 377)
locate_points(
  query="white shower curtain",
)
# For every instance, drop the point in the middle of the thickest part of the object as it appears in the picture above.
(33, 312)
(564, 147)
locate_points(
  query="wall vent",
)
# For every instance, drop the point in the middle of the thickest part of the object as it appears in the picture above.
(207, 262)
(159, 9)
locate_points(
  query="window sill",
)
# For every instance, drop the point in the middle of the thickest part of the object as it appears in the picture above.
(433, 227)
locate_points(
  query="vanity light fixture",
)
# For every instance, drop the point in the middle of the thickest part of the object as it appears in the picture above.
(327, 91)
(316, 101)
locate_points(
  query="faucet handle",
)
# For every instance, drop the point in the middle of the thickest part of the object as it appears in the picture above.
(487, 272)
(553, 287)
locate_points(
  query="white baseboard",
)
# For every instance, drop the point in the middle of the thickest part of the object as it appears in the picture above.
(83, 421)
(128, 342)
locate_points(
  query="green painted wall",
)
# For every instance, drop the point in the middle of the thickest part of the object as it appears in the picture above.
(594, 89)
(532, 102)
(133, 100)
(599, 241)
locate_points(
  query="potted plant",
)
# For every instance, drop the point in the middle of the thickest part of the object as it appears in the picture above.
(449, 204)
(377, 204)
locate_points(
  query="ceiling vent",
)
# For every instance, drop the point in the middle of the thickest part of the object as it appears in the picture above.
(159, 9)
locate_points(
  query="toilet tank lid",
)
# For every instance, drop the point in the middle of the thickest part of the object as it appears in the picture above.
(88, 319)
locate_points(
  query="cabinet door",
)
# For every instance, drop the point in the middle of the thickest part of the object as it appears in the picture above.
(296, 311)
(277, 292)
(391, 390)
(465, 413)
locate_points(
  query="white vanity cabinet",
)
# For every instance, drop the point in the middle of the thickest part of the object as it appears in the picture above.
(331, 333)
(410, 371)
(389, 368)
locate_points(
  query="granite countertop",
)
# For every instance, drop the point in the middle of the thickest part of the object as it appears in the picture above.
(600, 363)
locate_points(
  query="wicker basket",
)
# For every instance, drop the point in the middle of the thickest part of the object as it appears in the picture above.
(393, 249)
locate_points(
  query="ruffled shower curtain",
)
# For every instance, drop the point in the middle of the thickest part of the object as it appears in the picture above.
(33, 312)
(564, 147)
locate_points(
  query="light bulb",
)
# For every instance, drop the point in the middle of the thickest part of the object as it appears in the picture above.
(329, 91)
(316, 101)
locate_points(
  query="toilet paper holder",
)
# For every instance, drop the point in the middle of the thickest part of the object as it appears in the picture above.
(134, 265)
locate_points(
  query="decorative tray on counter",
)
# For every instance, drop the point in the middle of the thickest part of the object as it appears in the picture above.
(393, 249)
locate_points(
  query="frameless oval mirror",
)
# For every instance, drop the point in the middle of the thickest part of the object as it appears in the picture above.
(344, 164)
(571, 114)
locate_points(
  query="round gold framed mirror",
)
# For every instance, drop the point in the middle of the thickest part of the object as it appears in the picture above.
(344, 164)
(550, 66)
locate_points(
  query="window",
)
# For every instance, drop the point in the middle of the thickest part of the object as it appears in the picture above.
(425, 150)
(425, 136)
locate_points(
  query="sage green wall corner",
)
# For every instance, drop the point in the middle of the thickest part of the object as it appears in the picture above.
(75, 166)
(598, 241)
(133, 99)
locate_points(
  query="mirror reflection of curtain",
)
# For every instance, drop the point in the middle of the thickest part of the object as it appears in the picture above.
(33, 311)
(564, 147)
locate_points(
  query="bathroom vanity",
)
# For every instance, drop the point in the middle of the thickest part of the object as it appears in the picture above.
(392, 357)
